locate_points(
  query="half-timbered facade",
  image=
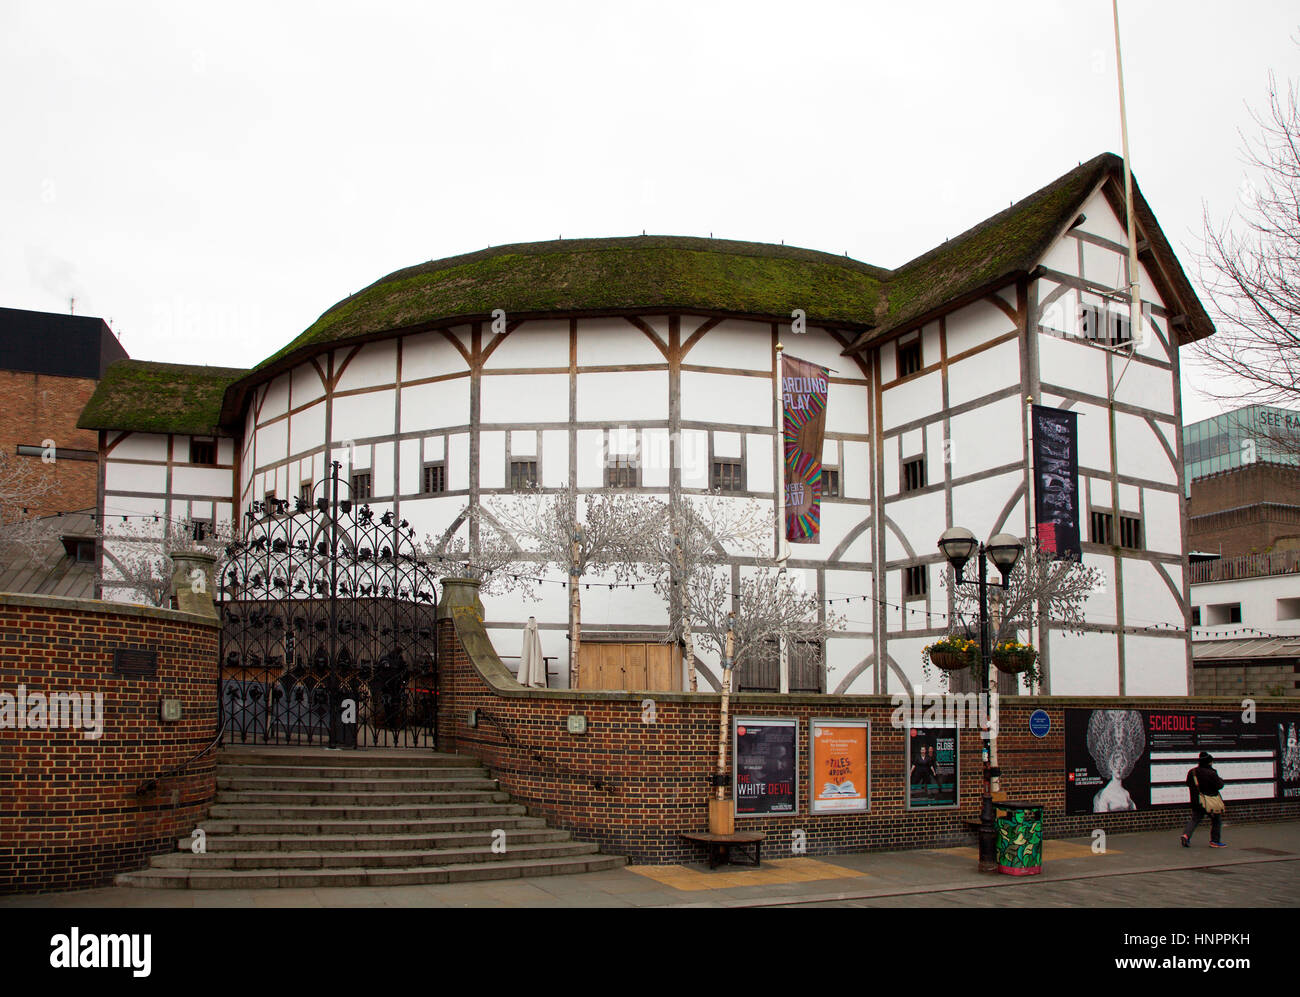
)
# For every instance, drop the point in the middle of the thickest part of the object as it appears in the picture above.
(651, 361)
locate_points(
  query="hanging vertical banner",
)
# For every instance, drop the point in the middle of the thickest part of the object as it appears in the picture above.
(1056, 481)
(803, 402)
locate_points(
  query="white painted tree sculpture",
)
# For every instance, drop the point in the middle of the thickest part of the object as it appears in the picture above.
(23, 483)
(606, 529)
(767, 608)
(696, 535)
(487, 556)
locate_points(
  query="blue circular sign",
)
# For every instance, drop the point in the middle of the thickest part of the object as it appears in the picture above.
(1040, 723)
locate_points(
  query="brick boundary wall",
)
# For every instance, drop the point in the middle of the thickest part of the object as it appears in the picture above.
(69, 814)
(635, 787)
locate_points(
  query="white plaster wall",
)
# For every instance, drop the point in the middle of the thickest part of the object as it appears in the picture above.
(554, 469)
(610, 342)
(429, 406)
(720, 399)
(1258, 598)
(1086, 665)
(967, 328)
(1160, 523)
(1155, 666)
(200, 481)
(1139, 451)
(846, 408)
(370, 366)
(983, 438)
(618, 397)
(362, 416)
(492, 460)
(307, 429)
(275, 398)
(531, 345)
(519, 399)
(735, 345)
(429, 354)
(306, 384)
(912, 399)
(123, 477)
(1147, 599)
(140, 446)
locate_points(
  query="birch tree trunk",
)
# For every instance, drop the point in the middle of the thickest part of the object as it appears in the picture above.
(688, 648)
(725, 714)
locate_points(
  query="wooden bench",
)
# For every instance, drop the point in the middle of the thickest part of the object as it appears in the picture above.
(719, 846)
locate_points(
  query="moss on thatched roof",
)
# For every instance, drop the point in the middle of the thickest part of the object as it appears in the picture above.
(605, 275)
(159, 398)
(648, 274)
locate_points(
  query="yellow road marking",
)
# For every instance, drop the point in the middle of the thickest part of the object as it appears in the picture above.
(794, 870)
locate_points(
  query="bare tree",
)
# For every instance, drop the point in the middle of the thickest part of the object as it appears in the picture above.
(768, 608)
(488, 560)
(696, 535)
(1041, 586)
(23, 483)
(604, 529)
(139, 559)
(1252, 272)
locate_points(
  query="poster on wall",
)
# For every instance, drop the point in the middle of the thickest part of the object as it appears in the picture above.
(803, 404)
(931, 767)
(1056, 481)
(839, 764)
(766, 773)
(1117, 760)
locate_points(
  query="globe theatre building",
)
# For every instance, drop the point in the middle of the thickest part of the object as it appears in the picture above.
(650, 362)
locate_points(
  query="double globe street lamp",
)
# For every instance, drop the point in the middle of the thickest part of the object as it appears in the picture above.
(959, 545)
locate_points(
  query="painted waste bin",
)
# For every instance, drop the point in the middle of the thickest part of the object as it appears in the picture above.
(1020, 838)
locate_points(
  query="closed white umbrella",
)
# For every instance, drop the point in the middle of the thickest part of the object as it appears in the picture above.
(532, 666)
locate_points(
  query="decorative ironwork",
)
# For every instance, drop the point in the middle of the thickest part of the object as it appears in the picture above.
(327, 630)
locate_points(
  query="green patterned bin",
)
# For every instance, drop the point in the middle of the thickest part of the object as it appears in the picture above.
(1020, 838)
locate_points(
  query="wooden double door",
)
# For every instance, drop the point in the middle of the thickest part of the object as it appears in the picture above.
(629, 665)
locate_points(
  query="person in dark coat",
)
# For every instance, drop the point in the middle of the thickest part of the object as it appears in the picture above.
(1203, 779)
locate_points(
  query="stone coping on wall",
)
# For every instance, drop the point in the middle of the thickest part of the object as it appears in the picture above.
(64, 604)
(460, 604)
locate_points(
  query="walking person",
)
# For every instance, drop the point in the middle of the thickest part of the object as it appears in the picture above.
(1205, 785)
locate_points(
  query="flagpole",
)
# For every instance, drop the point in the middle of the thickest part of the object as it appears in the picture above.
(1135, 296)
(782, 543)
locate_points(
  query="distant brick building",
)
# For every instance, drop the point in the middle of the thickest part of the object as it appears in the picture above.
(49, 367)
(1246, 510)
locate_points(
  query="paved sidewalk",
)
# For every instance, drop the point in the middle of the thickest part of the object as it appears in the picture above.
(1070, 870)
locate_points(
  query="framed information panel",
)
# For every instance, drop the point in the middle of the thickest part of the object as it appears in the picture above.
(931, 767)
(839, 766)
(765, 777)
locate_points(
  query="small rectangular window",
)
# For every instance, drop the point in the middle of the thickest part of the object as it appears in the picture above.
(916, 582)
(523, 475)
(1196, 616)
(203, 452)
(727, 476)
(830, 482)
(202, 528)
(435, 478)
(913, 474)
(270, 504)
(1130, 532)
(1103, 528)
(361, 487)
(305, 494)
(621, 471)
(909, 358)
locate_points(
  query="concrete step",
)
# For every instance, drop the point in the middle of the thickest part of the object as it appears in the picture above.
(312, 758)
(440, 825)
(280, 811)
(299, 861)
(428, 840)
(253, 879)
(318, 798)
(466, 771)
(314, 784)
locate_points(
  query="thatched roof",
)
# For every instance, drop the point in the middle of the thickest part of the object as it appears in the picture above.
(656, 274)
(160, 398)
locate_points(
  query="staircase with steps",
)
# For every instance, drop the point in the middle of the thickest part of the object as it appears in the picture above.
(311, 817)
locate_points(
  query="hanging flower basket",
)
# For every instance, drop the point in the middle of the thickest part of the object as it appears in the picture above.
(952, 654)
(1013, 658)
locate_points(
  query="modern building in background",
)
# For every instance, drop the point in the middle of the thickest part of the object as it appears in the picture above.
(649, 363)
(1244, 436)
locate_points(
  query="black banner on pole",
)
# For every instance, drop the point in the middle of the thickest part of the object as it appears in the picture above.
(1056, 481)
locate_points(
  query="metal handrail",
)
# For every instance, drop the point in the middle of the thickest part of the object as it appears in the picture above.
(536, 755)
(150, 784)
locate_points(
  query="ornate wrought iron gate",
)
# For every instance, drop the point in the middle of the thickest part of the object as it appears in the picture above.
(327, 630)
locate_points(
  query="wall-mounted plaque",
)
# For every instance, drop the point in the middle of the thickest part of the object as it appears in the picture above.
(135, 662)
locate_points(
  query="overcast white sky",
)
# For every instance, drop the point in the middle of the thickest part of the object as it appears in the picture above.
(211, 178)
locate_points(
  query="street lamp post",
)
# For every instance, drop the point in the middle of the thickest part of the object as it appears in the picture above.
(1003, 550)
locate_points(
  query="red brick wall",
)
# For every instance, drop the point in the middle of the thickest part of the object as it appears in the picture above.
(70, 817)
(658, 775)
(37, 407)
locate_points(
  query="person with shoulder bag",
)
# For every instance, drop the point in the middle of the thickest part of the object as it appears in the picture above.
(1205, 786)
